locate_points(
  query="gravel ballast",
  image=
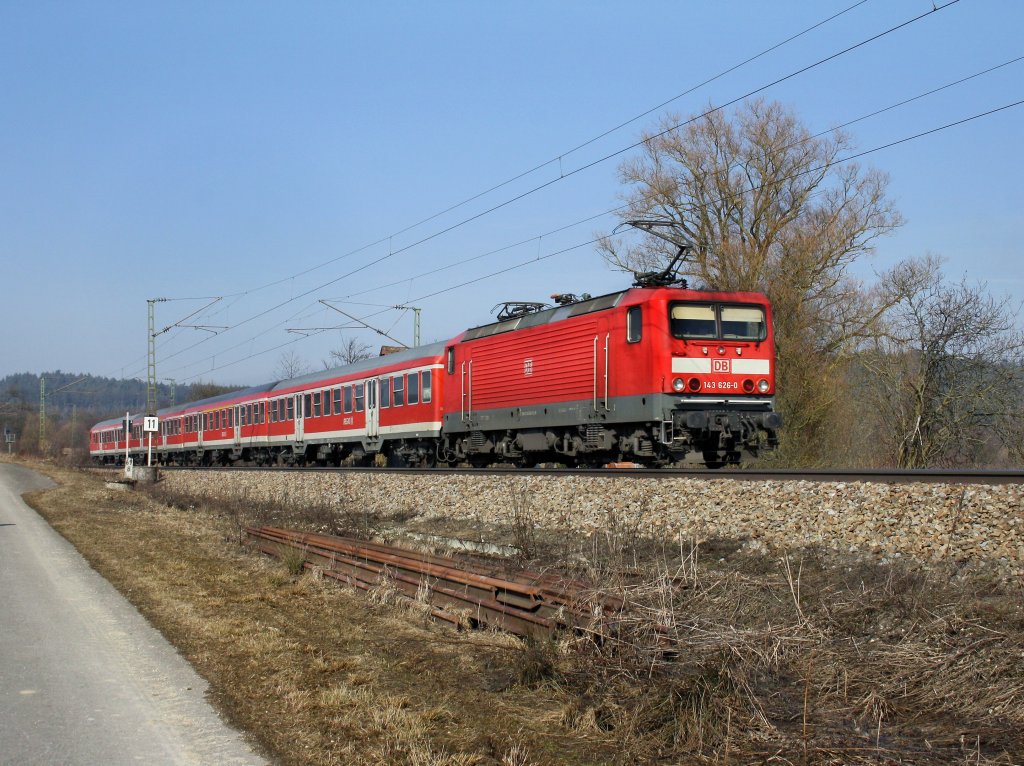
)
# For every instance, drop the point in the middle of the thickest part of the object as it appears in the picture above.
(967, 524)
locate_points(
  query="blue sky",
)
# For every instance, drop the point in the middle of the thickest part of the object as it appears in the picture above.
(208, 149)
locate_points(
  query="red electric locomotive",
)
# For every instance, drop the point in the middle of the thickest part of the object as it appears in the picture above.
(651, 375)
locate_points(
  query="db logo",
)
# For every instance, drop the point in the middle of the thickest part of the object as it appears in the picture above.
(720, 365)
(527, 367)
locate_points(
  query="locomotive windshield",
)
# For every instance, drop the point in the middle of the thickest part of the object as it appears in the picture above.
(698, 321)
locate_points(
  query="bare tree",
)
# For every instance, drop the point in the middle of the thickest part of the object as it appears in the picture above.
(948, 371)
(351, 350)
(290, 365)
(772, 209)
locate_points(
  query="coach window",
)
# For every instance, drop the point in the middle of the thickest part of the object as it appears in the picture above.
(348, 398)
(359, 397)
(399, 388)
(337, 401)
(692, 320)
(316, 404)
(425, 383)
(743, 323)
(291, 407)
(307, 406)
(385, 392)
(451, 360)
(634, 324)
(412, 393)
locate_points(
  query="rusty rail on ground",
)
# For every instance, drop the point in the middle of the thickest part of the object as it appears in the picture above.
(460, 592)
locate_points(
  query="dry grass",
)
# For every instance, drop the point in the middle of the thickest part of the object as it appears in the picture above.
(807, 661)
(725, 657)
(316, 673)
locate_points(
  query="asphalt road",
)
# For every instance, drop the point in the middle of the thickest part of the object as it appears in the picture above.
(84, 679)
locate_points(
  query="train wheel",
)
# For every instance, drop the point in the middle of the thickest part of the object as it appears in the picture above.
(713, 460)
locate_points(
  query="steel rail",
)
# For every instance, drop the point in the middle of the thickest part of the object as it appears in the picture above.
(526, 603)
(884, 476)
(530, 584)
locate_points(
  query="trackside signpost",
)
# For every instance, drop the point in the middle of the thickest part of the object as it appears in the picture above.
(150, 425)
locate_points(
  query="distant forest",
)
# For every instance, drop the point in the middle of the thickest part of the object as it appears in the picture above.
(67, 390)
(74, 402)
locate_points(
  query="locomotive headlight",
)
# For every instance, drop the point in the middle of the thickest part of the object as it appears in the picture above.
(678, 384)
(762, 386)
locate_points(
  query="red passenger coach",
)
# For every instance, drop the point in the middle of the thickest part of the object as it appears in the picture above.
(653, 375)
(387, 406)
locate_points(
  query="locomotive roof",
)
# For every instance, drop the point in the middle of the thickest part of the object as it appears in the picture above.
(589, 306)
(546, 316)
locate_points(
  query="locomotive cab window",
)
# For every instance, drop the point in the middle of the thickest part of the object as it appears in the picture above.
(743, 323)
(691, 320)
(634, 324)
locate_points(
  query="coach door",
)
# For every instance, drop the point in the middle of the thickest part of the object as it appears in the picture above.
(372, 410)
(238, 424)
(201, 423)
(300, 430)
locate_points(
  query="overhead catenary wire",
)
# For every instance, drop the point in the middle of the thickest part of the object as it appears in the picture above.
(388, 237)
(394, 252)
(619, 208)
(587, 219)
(592, 241)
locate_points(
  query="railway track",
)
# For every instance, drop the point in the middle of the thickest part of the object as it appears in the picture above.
(933, 476)
(460, 591)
